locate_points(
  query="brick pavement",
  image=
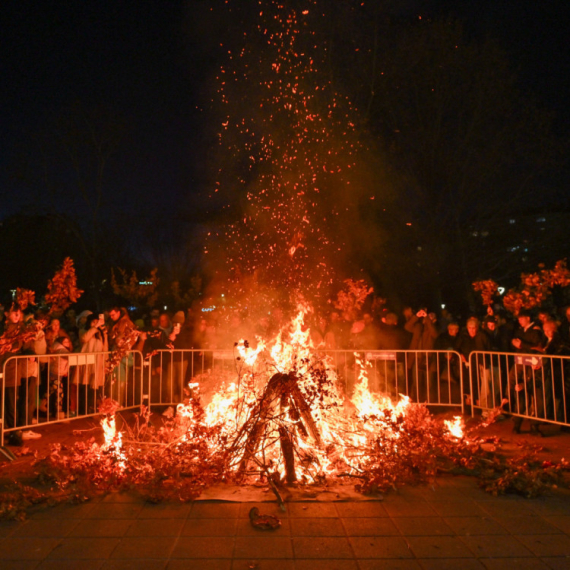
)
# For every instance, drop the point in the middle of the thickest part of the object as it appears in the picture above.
(446, 526)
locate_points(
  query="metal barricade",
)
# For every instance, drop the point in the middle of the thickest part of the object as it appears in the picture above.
(171, 372)
(532, 386)
(431, 377)
(37, 390)
(426, 376)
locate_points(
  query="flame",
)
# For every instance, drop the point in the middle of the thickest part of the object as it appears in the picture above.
(113, 440)
(110, 432)
(329, 431)
(341, 432)
(455, 427)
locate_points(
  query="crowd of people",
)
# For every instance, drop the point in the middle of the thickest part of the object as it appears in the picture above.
(47, 383)
(530, 385)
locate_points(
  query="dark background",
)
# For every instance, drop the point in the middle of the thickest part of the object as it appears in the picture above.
(142, 73)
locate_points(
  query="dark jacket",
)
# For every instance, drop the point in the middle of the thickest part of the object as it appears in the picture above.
(531, 338)
(468, 344)
(424, 333)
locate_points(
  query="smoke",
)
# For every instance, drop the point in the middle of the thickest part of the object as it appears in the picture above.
(299, 182)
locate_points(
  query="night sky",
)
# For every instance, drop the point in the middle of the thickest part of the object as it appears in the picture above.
(151, 63)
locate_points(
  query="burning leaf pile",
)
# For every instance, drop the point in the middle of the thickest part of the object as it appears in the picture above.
(285, 421)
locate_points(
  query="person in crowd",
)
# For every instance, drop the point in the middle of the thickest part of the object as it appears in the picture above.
(368, 338)
(390, 335)
(69, 324)
(123, 337)
(527, 340)
(447, 340)
(156, 341)
(491, 329)
(449, 364)
(554, 374)
(56, 396)
(475, 340)
(53, 332)
(446, 319)
(176, 364)
(423, 329)
(14, 325)
(155, 336)
(203, 342)
(164, 323)
(543, 315)
(499, 369)
(82, 327)
(90, 376)
(390, 370)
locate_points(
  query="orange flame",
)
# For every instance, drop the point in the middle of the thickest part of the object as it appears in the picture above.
(455, 427)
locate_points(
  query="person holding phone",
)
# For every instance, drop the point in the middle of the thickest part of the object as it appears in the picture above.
(90, 378)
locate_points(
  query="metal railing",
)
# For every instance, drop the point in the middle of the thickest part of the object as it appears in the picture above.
(54, 388)
(433, 377)
(37, 390)
(532, 386)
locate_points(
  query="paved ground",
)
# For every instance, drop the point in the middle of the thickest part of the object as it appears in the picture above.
(450, 525)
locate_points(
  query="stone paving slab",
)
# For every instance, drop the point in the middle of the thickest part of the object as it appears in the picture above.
(421, 528)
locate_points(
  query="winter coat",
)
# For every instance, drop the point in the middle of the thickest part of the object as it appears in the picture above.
(93, 374)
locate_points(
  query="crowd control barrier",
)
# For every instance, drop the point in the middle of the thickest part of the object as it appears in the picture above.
(37, 390)
(434, 377)
(532, 386)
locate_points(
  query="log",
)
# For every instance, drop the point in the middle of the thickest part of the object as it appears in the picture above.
(288, 455)
(304, 410)
(257, 422)
(282, 388)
